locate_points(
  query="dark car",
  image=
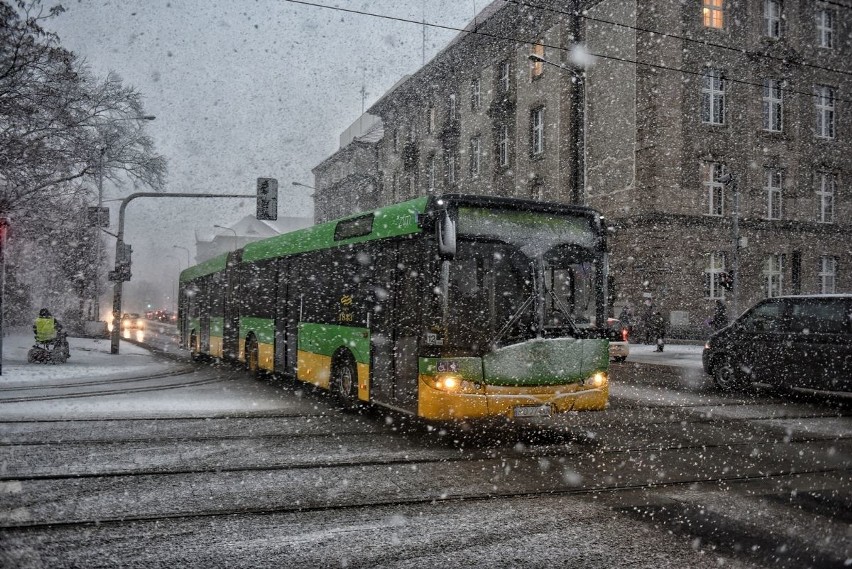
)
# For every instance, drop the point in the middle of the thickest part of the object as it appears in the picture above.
(790, 341)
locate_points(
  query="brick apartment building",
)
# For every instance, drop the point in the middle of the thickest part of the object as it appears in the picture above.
(642, 123)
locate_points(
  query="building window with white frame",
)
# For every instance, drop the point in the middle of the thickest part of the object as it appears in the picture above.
(825, 27)
(503, 145)
(774, 201)
(827, 274)
(475, 94)
(505, 76)
(825, 197)
(773, 273)
(452, 167)
(452, 111)
(713, 275)
(824, 96)
(773, 105)
(475, 147)
(537, 131)
(772, 18)
(713, 97)
(711, 174)
(713, 12)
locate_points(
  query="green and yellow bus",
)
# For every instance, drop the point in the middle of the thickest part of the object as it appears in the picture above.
(449, 308)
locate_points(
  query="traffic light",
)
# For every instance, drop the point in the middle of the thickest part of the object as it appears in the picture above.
(267, 199)
(726, 280)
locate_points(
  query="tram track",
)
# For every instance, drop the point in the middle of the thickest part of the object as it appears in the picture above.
(170, 373)
(713, 482)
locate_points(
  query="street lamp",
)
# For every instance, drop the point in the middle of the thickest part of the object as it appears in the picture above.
(231, 230)
(730, 181)
(97, 303)
(299, 184)
(187, 254)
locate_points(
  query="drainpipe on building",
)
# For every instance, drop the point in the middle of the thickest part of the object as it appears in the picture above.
(576, 122)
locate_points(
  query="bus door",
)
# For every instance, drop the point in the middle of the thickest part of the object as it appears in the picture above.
(393, 327)
(231, 332)
(282, 316)
(204, 299)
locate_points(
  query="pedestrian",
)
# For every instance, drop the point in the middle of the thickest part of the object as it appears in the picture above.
(658, 329)
(626, 320)
(720, 316)
(647, 324)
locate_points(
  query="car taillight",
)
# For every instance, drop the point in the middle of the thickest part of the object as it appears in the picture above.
(624, 334)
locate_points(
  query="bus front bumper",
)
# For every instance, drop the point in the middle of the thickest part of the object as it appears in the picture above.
(469, 401)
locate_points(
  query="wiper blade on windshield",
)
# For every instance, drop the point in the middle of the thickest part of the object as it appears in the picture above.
(515, 317)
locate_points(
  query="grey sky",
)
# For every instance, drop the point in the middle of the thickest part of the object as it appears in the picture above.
(242, 89)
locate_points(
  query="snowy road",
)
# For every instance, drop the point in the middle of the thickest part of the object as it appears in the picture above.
(230, 470)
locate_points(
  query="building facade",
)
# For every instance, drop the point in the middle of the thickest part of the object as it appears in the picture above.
(691, 126)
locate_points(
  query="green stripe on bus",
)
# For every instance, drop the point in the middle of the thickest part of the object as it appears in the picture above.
(391, 221)
(208, 267)
(262, 328)
(325, 339)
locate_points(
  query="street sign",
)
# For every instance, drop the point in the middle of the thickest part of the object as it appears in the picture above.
(267, 199)
(98, 216)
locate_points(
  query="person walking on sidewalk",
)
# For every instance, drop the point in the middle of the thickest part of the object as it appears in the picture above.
(658, 330)
(720, 316)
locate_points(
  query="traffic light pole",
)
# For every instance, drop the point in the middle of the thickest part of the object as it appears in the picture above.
(735, 257)
(122, 268)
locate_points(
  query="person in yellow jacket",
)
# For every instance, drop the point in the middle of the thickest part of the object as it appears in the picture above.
(48, 329)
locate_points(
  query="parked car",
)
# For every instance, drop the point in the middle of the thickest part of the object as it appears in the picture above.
(792, 341)
(132, 321)
(619, 348)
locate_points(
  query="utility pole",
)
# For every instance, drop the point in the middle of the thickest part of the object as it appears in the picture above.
(730, 182)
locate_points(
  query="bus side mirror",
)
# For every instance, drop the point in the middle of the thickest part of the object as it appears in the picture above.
(446, 229)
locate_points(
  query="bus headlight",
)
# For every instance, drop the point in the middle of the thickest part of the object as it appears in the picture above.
(597, 380)
(451, 383)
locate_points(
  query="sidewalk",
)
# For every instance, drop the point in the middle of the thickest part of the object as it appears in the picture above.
(90, 359)
(676, 355)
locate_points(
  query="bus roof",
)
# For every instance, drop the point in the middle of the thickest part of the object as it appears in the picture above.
(391, 221)
(208, 267)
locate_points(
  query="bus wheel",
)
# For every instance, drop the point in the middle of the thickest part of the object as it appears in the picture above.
(252, 356)
(346, 381)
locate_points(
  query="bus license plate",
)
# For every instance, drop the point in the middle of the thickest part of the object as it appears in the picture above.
(533, 411)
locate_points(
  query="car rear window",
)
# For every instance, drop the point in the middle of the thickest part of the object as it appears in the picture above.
(819, 317)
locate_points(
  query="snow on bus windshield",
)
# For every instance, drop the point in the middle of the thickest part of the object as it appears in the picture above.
(533, 233)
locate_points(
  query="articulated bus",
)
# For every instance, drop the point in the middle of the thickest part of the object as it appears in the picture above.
(448, 308)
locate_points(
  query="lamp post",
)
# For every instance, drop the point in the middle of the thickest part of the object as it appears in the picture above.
(97, 302)
(301, 185)
(730, 181)
(231, 230)
(188, 263)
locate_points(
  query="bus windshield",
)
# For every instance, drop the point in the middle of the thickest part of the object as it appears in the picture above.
(518, 276)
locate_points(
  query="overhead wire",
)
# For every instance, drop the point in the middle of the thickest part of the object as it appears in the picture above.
(479, 32)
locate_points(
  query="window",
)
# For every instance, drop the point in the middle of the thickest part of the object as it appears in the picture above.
(714, 188)
(505, 76)
(715, 267)
(355, 227)
(827, 274)
(773, 193)
(430, 174)
(772, 105)
(713, 97)
(825, 196)
(503, 145)
(824, 111)
(452, 166)
(713, 11)
(475, 94)
(474, 156)
(412, 132)
(430, 119)
(537, 130)
(772, 18)
(451, 107)
(773, 275)
(825, 28)
(537, 62)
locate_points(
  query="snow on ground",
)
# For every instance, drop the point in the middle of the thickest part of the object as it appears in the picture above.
(90, 359)
(679, 355)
